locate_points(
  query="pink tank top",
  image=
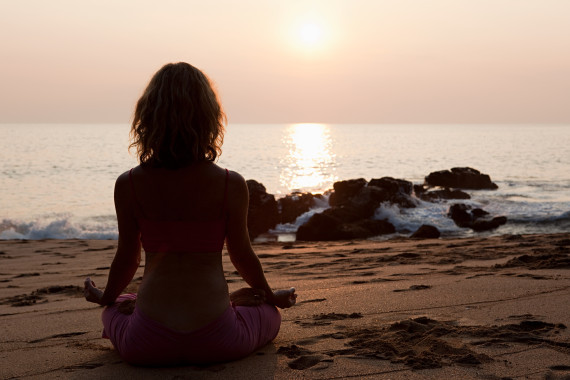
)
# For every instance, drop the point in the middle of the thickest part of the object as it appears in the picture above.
(182, 236)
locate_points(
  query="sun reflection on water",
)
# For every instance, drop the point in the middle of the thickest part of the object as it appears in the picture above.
(310, 161)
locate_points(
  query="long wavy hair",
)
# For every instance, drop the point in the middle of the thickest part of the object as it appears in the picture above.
(178, 120)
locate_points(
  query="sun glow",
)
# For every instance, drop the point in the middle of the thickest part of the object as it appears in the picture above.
(310, 33)
(309, 164)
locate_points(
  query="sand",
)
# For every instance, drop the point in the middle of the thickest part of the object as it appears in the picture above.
(490, 308)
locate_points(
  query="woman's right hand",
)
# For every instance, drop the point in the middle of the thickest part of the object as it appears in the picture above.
(284, 298)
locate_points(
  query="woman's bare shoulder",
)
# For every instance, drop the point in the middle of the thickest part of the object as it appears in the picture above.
(237, 188)
(123, 179)
(235, 177)
(123, 185)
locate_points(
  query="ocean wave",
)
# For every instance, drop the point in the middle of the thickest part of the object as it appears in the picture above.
(59, 227)
(554, 220)
(523, 218)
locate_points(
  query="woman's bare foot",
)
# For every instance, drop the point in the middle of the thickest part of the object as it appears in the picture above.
(284, 298)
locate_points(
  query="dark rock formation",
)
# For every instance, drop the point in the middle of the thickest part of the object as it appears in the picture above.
(293, 205)
(344, 190)
(365, 202)
(353, 204)
(320, 227)
(262, 212)
(461, 178)
(419, 189)
(460, 214)
(476, 219)
(436, 195)
(392, 185)
(327, 226)
(396, 191)
(486, 225)
(365, 228)
(426, 232)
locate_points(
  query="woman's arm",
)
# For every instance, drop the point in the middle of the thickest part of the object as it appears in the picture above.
(239, 246)
(128, 256)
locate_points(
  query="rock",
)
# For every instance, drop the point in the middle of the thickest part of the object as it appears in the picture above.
(366, 201)
(403, 200)
(359, 206)
(293, 205)
(460, 214)
(262, 213)
(364, 229)
(319, 227)
(426, 232)
(346, 214)
(353, 204)
(460, 178)
(324, 226)
(478, 213)
(392, 185)
(476, 219)
(378, 227)
(419, 189)
(344, 190)
(486, 225)
(396, 191)
(436, 195)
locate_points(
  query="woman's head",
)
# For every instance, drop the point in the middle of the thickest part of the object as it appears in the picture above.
(178, 120)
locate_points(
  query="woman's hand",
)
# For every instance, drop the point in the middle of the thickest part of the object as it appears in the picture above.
(248, 297)
(284, 298)
(91, 293)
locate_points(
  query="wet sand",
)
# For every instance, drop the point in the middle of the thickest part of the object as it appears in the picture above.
(489, 308)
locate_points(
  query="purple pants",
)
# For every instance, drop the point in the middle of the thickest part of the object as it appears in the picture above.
(235, 334)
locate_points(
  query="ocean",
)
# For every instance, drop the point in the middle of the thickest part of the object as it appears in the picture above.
(56, 180)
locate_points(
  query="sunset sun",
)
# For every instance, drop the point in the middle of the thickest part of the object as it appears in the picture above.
(310, 34)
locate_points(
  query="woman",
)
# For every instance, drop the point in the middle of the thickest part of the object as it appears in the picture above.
(181, 207)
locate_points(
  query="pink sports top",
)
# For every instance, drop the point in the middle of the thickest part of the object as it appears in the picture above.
(182, 235)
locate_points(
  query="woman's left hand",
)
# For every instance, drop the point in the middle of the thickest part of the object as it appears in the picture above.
(91, 292)
(248, 297)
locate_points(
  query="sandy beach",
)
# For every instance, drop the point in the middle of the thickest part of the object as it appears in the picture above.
(491, 308)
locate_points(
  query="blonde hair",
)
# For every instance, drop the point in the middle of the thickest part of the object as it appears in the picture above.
(178, 120)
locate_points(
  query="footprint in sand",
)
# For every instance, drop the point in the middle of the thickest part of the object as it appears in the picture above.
(26, 275)
(325, 319)
(312, 300)
(309, 361)
(84, 366)
(413, 287)
(293, 351)
(39, 295)
(64, 335)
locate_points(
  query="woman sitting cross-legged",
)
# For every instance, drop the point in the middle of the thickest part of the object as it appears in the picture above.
(181, 207)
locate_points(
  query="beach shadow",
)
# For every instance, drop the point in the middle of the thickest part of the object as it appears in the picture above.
(109, 365)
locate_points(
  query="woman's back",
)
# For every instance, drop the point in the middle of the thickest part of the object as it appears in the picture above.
(181, 208)
(193, 193)
(183, 286)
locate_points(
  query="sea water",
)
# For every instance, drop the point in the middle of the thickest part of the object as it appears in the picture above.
(56, 180)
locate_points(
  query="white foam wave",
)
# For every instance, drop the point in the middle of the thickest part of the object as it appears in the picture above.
(59, 227)
(407, 220)
(290, 228)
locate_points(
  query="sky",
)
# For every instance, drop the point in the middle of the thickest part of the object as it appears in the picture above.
(329, 61)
